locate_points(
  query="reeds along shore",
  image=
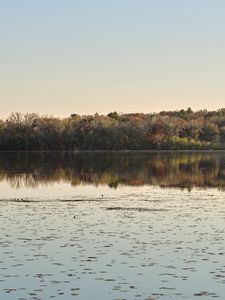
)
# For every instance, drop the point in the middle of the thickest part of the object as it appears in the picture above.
(179, 130)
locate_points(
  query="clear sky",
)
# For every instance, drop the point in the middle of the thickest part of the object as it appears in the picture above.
(85, 56)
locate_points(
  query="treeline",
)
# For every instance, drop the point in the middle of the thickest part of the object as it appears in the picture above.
(179, 130)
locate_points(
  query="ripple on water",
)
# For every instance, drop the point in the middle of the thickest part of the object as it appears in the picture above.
(152, 245)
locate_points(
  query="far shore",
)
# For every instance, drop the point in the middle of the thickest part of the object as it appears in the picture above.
(116, 151)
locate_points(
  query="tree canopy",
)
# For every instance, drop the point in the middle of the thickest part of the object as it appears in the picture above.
(175, 130)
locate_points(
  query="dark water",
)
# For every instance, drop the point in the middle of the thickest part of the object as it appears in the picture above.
(112, 225)
(182, 170)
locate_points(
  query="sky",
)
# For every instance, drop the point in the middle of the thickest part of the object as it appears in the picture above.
(59, 57)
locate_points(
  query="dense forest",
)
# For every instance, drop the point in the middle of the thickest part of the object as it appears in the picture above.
(183, 129)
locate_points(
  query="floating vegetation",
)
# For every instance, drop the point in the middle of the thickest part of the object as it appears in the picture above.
(138, 209)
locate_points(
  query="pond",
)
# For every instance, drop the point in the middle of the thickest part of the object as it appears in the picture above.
(112, 225)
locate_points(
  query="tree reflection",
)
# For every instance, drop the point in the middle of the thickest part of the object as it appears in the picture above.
(164, 169)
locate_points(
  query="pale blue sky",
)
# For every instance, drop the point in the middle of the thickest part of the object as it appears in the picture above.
(85, 56)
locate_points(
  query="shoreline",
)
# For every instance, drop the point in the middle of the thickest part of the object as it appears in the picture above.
(116, 151)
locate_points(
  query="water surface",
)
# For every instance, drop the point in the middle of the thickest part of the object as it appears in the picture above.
(112, 225)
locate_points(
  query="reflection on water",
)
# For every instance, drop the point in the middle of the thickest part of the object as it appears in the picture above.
(183, 170)
(146, 243)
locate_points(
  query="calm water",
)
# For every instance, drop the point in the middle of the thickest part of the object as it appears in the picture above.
(112, 226)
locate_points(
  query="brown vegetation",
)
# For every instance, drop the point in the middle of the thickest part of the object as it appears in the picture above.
(182, 129)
